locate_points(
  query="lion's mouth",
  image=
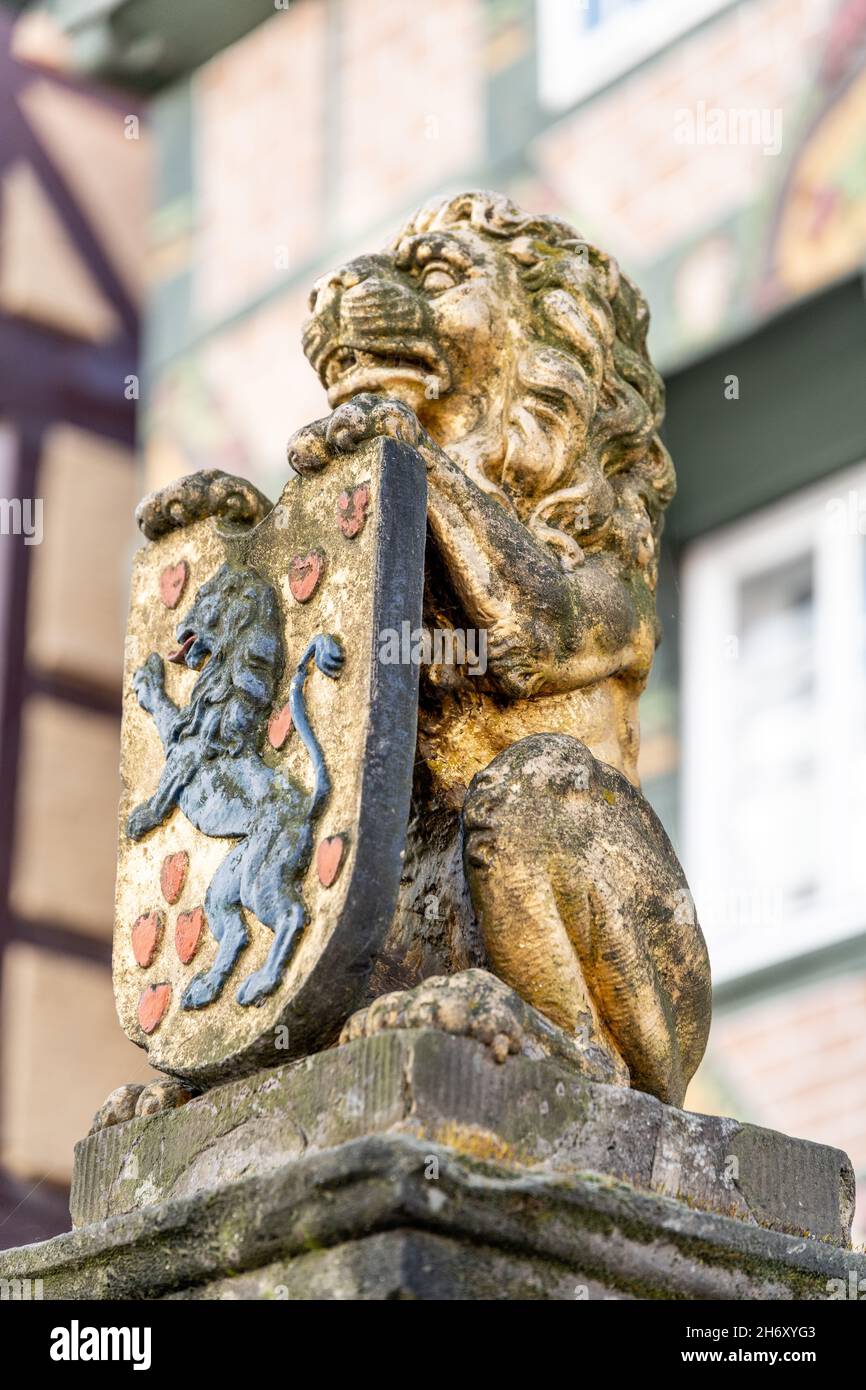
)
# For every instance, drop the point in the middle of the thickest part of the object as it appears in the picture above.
(179, 656)
(345, 370)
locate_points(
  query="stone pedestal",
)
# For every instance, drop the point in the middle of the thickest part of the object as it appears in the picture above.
(413, 1165)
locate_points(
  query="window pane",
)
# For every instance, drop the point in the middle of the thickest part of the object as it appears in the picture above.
(772, 848)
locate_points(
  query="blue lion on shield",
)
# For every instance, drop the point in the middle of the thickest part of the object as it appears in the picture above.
(215, 774)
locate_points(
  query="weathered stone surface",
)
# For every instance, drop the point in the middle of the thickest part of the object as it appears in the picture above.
(398, 1217)
(536, 1114)
(406, 1265)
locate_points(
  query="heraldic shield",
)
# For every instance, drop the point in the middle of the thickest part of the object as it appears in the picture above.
(266, 760)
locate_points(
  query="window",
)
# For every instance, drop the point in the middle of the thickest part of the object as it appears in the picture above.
(774, 728)
(585, 44)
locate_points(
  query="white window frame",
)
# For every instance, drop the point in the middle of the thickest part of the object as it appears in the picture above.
(823, 519)
(574, 62)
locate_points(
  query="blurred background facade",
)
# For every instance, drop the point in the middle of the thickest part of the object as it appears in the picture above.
(189, 169)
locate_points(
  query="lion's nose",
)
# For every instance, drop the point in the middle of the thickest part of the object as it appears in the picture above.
(328, 285)
(337, 281)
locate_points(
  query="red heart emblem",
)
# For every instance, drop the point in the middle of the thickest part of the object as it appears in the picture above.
(172, 875)
(305, 571)
(279, 727)
(329, 857)
(146, 935)
(152, 1006)
(187, 933)
(172, 583)
(352, 510)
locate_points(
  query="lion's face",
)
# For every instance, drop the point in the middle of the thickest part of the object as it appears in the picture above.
(200, 630)
(432, 323)
(225, 608)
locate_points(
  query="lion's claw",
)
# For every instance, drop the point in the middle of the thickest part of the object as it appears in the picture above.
(355, 422)
(471, 1004)
(199, 992)
(149, 680)
(255, 989)
(330, 656)
(134, 1099)
(368, 417)
(118, 1107)
(476, 1004)
(140, 822)
(307, 450)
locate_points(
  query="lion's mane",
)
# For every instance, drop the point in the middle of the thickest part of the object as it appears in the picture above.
(585, 362)
(237, 686)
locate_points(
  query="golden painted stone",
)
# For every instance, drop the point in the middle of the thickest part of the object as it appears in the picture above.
(541, 906)
(511, 354)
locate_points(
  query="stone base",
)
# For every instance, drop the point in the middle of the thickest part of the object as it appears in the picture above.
(413, 1165)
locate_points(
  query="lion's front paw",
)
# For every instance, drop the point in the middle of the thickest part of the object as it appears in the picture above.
(163, 1095)
(117, 1108)
(368, 417)
(473, 1004)
(141, 822)
(134, 1099)
(307, 450)
(149, 681)
(329, 655)
(355, 422)
(202, 990)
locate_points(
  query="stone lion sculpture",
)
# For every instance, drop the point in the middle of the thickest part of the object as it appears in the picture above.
(512, 355)
(542, 908)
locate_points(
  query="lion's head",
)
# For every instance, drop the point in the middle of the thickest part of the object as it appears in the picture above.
(522, 349)
(235, 621)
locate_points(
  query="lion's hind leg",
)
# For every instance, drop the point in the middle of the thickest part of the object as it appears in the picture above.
(256, 987)
(225, 919)
(584, 908)
(277, 856)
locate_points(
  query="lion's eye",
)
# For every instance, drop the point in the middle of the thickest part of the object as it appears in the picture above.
(436, 279)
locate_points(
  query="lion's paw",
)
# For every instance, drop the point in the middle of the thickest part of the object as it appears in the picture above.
(256, 988)
(201, 991)
(141, 822)
(355, 422)
(472, 1004)
(117, 1108)
(368, 417)
(135, 1099)
(149, 680)
(307, 450)
(476, 1004)
(163, 1095)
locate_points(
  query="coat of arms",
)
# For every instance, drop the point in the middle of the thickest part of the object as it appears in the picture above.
(267, 759)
